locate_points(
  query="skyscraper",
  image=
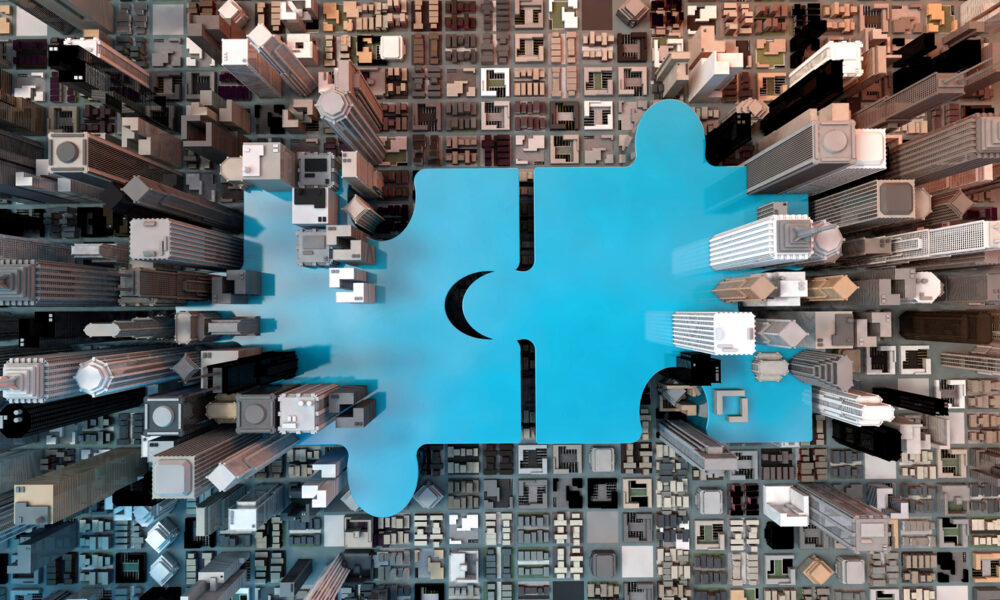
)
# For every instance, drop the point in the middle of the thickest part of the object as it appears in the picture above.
(151, 194)
(246, 462)
(970, 287)
(774, 240)
(259, 505)
(824, 369)
(48, 283)
(985, 364)
(873, 204)
(739, 289)
(853, 406)
(353, 112)
(283, 60)
(61, 493)
(696, 447)
(96, 160)
(20, 248)
(117, 372)
(818, 148)
(851, 522)
(19, 420)
(974, 237)
(307, 408)
(91, 67)
(173, 242)
(155, 287)
(182, 471)
(241, 59)
(714, 332)
(65, 16)
(330, 580)
(965, 144)
(47, 377)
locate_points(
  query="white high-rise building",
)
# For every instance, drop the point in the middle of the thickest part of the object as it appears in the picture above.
(719, 333)
(928, 244)
(854, 407)
(775, 240)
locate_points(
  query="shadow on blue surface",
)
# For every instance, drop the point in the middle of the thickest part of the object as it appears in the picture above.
(617, 250)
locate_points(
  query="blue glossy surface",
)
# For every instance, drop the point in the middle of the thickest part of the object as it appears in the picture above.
(617, 250)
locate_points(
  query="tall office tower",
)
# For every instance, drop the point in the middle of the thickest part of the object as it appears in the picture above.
(58, 494)
(956, 326)
(966, 144)
(790, 289)
(154, 287)
(717, 333)
(920, 403)
(883, 441)
(361, 175)
(48, 283)
(250, 371)
(283, 60)
(240, 58)
(19, 420)
(817, 149)
(831, 288)
(92, 68)
(257, 409)
(851, 522)
(18, 156)
(825, 329)
(20, 248)
(823, 369)
(330, 580)
(902, 107)
(970, 287)
(779, 333)
(363, 215)
(212, 513)
(974, 237)
(870, 205)
(172, 242)
(853, 406)
(137, 328)
(984, 364)
(774, 240)
(65, 16)
(869, 159)
(105, 253)
(353, 112)
(849, 53)
(254, 509)
(247, 462)
(269, 165)
(204, 326)
(95, 160)
(295, 578)
(696, 447)
(19, 114)
(43, 545)
(45, 377)
(19, 465)
(351, 410)
(220, 579)
(147, 193)
(118, 372)
(182, 471)
(151, 141)
(176, 413)
(948, 208)
(892, 286)
(307, 408)
(741, 289)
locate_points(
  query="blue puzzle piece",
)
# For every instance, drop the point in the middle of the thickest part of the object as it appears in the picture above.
(437, 385)
(617, 251)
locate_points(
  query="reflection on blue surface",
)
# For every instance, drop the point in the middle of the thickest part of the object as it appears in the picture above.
(617, 250)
